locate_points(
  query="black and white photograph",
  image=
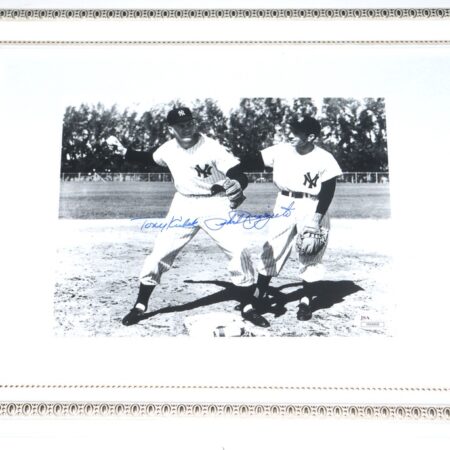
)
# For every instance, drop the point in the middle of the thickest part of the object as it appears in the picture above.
(224, 217)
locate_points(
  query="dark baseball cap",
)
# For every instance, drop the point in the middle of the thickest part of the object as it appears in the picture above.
(307, 125)
(179, 115)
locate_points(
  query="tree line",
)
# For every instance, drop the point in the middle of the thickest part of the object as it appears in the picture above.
(353, 130)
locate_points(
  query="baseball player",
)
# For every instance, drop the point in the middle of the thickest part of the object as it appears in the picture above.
(208, 180)
(305, 175)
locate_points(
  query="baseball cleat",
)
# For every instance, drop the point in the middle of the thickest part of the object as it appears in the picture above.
(264, 304)
(133, 317)
(255, 318)
(304, 312)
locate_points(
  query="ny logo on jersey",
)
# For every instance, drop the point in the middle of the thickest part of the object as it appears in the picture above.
(206, 172)
(181, 113)
(312, 182)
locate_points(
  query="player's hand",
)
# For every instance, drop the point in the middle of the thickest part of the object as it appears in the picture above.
(115, 145)
(234, 192)
(311, 240)
(312, 225)
(233, 189)
(310, 229)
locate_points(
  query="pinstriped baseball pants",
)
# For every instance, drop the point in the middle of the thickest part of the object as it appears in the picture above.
(171, 241)
(281, 236)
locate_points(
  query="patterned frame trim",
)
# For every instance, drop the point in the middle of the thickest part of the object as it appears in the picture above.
(148, 14)
(139, 409)
(372, 411)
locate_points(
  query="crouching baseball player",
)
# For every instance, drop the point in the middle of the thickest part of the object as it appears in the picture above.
(305, 175)
(209, 181)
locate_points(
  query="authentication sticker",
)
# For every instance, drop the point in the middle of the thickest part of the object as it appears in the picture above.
(371, 324)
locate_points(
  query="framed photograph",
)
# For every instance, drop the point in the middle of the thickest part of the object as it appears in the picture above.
(225, 212)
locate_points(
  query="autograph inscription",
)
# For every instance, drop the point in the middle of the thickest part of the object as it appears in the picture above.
(247, 220)
(174, 222)
(238, 217)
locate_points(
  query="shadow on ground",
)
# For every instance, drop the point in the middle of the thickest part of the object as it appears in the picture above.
(324, 294)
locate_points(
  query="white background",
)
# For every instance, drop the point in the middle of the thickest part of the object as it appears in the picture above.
(38, 81)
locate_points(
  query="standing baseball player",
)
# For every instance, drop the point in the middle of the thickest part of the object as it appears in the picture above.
(209, 181)
(306, 176)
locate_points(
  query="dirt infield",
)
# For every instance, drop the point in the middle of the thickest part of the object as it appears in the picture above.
(99, 261)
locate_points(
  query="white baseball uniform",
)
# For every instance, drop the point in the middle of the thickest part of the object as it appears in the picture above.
(293, 172)
(194, 171)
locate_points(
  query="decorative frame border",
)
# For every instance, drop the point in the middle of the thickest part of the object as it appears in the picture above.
(150, 409)
(316, 13)
(383, 411)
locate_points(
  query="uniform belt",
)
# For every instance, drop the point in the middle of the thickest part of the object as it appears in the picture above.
(219, 194)
(297, 194)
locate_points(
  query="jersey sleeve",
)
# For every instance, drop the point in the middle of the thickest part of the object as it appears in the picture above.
(268, 156)
(224, 159)
(160, 155)
(332, 169)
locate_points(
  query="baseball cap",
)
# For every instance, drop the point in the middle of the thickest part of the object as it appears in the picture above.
(307, 125)
(178, 115)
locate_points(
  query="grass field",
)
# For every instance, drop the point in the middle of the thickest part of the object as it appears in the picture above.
(121, 200)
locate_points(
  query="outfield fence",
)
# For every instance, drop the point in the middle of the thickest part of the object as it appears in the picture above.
(253, 177)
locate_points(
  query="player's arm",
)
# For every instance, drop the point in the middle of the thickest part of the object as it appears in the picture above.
(237, 173)
(233, 185)
(326, 195)
(131, 155)
(235, 179)
(141, 157)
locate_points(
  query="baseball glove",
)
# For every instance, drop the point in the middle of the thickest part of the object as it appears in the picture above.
(232, 190)
(311, 241)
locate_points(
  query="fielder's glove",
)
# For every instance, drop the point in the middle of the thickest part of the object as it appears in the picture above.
(311, 240)
(232, 189)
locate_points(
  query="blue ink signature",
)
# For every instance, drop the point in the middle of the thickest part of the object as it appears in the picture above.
(235, 217)
(247, 220)
(175, 222)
